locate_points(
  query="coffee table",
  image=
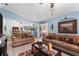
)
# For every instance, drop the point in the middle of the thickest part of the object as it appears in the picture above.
(41, 49)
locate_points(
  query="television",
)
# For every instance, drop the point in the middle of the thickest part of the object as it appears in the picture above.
(1, 24)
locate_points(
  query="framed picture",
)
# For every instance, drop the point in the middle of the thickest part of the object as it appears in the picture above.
(68, 26)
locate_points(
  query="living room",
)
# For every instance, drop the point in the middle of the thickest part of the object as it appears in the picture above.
(39, 29)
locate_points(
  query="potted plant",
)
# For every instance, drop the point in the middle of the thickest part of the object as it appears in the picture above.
(66, 38)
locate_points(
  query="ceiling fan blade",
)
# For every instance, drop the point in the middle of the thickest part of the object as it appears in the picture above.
(52, 4)
(6, 4)
(40, 3)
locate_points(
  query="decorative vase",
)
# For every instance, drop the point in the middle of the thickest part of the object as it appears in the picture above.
(50, 46)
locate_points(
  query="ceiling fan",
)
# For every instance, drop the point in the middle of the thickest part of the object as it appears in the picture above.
(51, 6)
(6, 4)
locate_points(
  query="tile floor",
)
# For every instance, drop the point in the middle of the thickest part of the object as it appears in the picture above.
(15, 51)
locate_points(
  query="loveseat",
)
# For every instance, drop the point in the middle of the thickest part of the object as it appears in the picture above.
(21, 38)
(68, 45)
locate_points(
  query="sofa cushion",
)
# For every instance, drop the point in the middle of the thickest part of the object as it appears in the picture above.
(18, 36)
(21, 38)
(59, 43)
(66, 45)
(24, 35)
(71, 47)
(75, 40)
(47, 40)
(71, 44)
(51, 37)
(13, 38)
(60, 37)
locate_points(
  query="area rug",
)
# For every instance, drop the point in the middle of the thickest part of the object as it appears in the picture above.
(29, 53)
(25, 53)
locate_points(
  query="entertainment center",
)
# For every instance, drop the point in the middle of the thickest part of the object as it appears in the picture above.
(3, 39)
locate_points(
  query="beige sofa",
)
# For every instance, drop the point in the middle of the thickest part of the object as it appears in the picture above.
(70, 47)
(21, 38)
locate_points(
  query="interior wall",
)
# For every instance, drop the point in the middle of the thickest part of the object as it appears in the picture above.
(55, 21)
(11, 23)
(61, 9)
(10, 19)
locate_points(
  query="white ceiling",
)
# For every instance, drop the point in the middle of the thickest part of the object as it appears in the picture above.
(39, 12)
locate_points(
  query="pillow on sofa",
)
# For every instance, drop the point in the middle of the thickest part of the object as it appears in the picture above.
(18, 35)
(30, 36)
(13, 38)
(70, 40)
(75, 40)
(60, 37)
(51, 36)
(24, 35)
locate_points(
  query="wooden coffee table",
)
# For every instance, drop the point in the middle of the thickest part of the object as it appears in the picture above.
(41, 49)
